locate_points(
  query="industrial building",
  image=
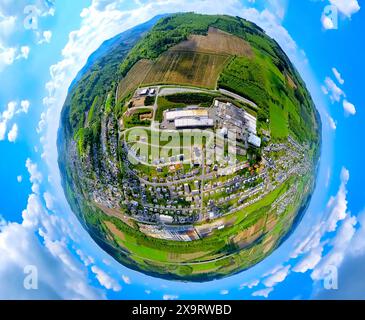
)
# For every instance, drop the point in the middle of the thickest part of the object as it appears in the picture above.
(191, 117)
(251, 123)
(193, 123)
(171, 115)
(254, 140)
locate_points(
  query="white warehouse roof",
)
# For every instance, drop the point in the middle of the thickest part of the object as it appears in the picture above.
(185, 113)
(254, 140)
(193, 122)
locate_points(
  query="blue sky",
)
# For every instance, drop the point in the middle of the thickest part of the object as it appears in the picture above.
(38, 228)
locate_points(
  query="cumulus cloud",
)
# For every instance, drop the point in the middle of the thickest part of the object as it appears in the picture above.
(19, 179)
(7, 115)
(25, 104)
(250, 284)
(334, 233)
(24, 53)
(263, 292)
(46, 37)
(10, 54)
(346, 7)
(351, 270)
(13, 133)
(349, 108)
(335, 92)
(105, 279)
(338, 76)
(126, 279)
(277, 276)
(309, 261)
(331, 122)
(39, 242)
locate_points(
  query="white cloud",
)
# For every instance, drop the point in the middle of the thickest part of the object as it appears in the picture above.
(25, 104)
(337, 206)
(24, 53)
(7, 25)
(250, 284)
(8, 115)
(347, 7)
(224, 292)
(309, 261)
(40, 241)
(331, 122)
(7, 56)
(19, 179)
(277, 276)
(349, 108)
(263, 292)
(338, 76)
(13, 133)
(2, 130)
(126, 279)
(105, 279)
(46, 37)
(35, 175)
(334, 232)
(170, 297)
(336, 94)
(335, 256)
(87, 260)
(49, 200)
(333, 90)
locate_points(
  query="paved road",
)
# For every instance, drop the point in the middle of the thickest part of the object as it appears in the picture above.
(173, 90)
(238, 97)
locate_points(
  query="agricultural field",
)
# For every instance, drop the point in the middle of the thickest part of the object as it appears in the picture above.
(138, 117)
(134, 78)
(187, 68)
(216, 42)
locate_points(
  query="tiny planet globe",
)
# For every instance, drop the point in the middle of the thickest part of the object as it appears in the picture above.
(188, 146)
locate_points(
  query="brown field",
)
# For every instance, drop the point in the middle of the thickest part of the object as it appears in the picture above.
(217, 42)
(130, 112)
(291, 82)
(134, 78)
(187, 68)
(182, 257)
(269, 243)
(138, 102)
(271, 222)
(249, 235)
(114, 230)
